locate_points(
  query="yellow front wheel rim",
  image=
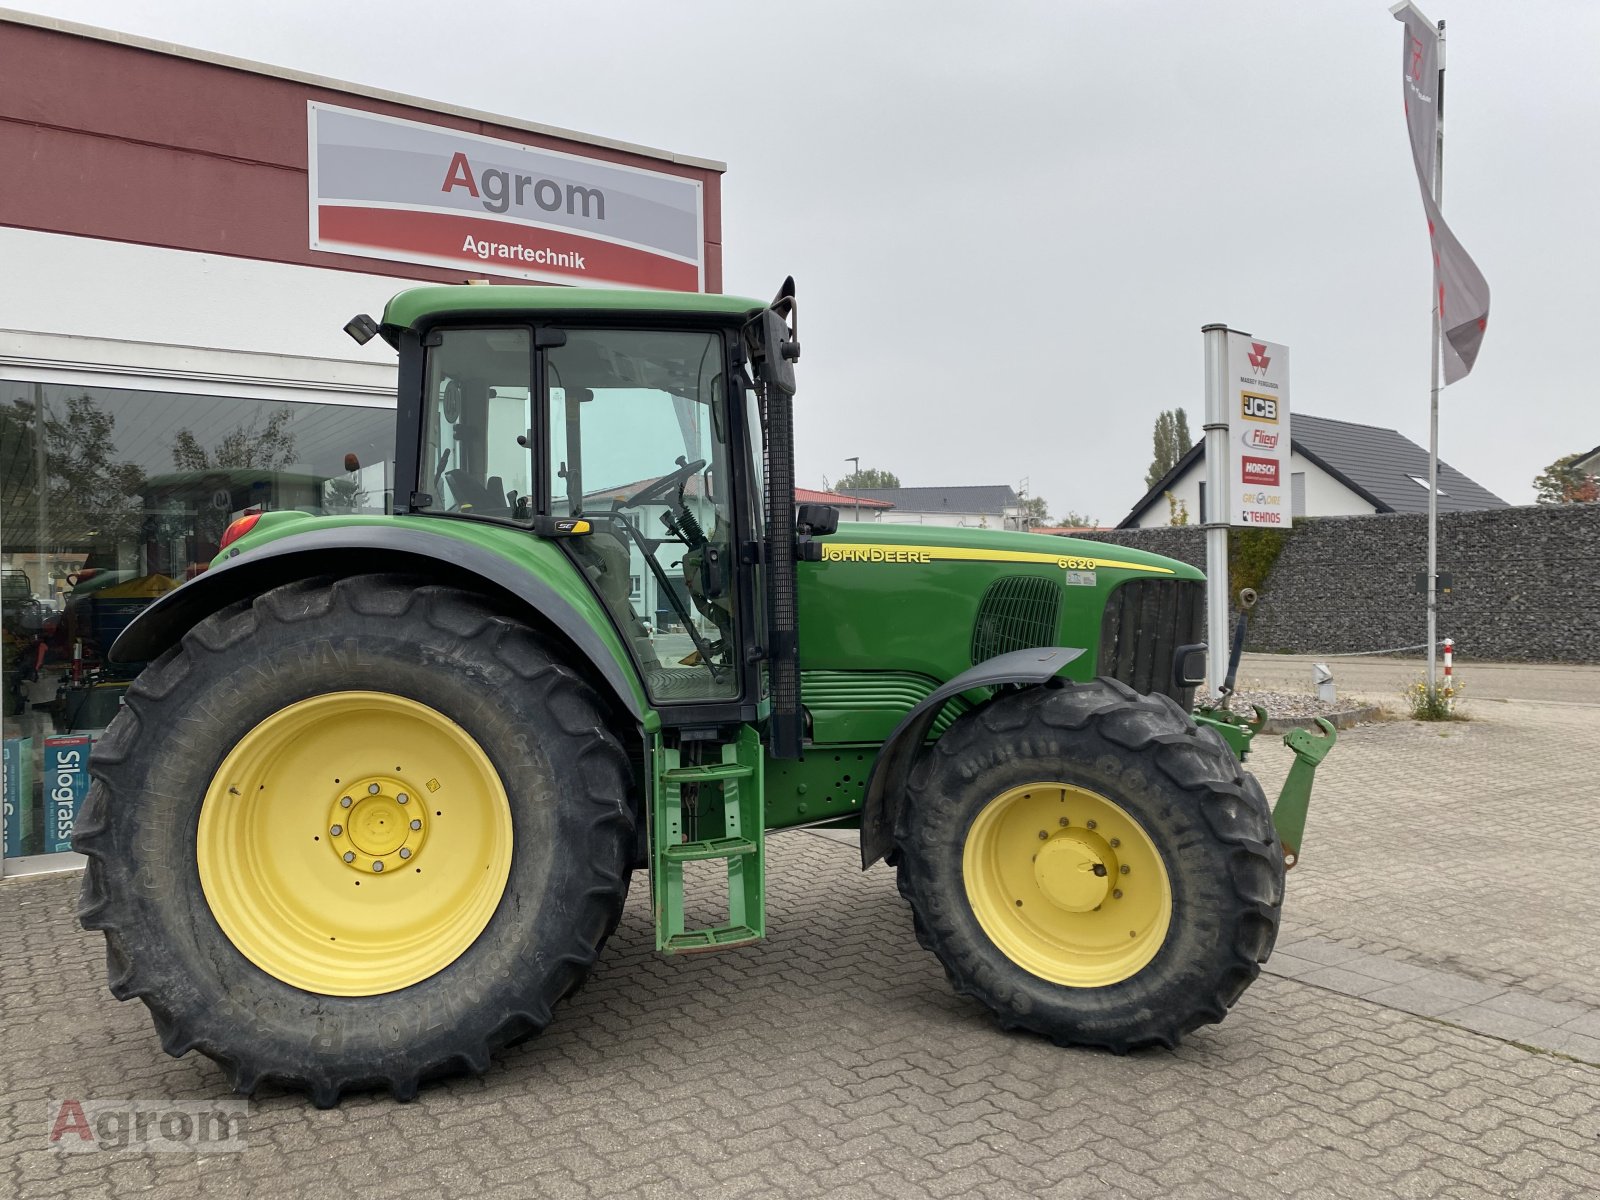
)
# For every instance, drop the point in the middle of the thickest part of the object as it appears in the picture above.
(354, 843)
(1067, 884)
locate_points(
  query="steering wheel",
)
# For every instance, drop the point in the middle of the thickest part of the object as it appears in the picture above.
(664, 485)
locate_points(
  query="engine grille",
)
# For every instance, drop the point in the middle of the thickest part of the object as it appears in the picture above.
(1145, 620)
(1016, 613)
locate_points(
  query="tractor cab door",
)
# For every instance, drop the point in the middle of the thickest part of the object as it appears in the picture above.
(633, 431)
(644, 445)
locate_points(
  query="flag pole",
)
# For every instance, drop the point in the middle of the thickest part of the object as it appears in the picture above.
(1433, 403)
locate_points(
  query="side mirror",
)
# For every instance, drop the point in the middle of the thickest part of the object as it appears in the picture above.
(773, 340)
(816, 520)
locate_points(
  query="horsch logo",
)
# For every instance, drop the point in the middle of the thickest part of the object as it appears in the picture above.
(1262, 471)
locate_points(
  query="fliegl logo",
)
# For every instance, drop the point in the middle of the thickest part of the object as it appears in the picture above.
(1260, 439)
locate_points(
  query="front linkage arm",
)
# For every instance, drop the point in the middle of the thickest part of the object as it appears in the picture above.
(1289, 814)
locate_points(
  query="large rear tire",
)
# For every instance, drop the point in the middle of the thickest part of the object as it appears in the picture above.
(1091, 866)
(355, 835)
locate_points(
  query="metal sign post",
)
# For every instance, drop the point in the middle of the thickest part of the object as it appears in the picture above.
(1434, 352)
(1217, 505)
(1248, 482)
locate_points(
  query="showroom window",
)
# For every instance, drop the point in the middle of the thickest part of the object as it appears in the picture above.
(111, 497)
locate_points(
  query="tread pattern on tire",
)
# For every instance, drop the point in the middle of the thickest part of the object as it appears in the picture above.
(138, 967)
(1104, 716)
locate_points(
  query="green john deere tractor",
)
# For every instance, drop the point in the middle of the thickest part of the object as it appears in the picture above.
(372, 808)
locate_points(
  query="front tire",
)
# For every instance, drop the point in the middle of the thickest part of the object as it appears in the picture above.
(355, 834)
(1091, 866)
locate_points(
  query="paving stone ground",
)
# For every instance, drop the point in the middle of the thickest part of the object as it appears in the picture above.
(834, 1061)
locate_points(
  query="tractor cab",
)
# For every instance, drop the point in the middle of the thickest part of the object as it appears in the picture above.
(636, 447)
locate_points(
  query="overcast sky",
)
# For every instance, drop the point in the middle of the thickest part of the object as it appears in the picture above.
(1009, 221)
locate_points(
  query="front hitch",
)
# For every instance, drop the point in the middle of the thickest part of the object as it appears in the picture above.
(1289, 814)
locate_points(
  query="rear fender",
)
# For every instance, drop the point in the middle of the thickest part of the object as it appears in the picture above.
(358, 550)
(886, 786)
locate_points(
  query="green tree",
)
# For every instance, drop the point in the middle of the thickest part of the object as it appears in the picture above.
(1171, 441)
(868, 477)
(1034, 510)
(1562, 483)
(1178, 510)
(344, 495)
(1073, 519)
(89, 498)
(266, 447)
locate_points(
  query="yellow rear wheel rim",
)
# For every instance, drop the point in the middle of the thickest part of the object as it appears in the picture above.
(1067, 884)
(354, 843)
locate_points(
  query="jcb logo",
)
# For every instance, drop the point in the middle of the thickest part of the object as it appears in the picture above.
(1258, 408)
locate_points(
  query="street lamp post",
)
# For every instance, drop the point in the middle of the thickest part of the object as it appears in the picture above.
(855, 469)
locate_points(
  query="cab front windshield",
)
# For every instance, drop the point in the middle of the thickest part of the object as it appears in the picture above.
(639, 447)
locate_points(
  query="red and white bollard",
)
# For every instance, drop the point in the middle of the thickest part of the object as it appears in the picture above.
(1449, 673)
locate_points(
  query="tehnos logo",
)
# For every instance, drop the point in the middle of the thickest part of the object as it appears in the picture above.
(1261, 471)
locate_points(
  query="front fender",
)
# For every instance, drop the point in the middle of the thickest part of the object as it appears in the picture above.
(886, 786)
(358, 549)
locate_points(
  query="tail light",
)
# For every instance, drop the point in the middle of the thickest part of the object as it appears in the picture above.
(238, 528)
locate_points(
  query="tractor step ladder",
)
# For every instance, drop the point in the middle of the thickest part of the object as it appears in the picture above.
(740, 842)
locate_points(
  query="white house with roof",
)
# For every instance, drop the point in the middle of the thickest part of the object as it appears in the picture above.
(1337, 469)
(980, 506)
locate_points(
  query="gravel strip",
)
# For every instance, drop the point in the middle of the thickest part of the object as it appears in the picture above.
(1289, 704)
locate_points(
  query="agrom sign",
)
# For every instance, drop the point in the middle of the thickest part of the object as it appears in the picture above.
(385, 188)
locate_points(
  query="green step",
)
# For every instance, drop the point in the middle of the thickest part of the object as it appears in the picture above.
(709, 773)
(727, 847)
(730, 807)
(723, 938)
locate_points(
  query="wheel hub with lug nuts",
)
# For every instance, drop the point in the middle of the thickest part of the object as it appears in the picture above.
(1072, 874)
(376, 825)
(1067, 883)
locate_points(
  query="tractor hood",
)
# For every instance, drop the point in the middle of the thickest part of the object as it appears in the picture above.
(887, 543)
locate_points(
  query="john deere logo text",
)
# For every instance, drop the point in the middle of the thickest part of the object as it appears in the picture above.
(1258, 408)
(1258, 357)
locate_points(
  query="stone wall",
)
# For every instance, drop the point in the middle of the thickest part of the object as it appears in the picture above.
(1526, 582)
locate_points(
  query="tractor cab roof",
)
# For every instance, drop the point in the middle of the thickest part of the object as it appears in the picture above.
(423, 305)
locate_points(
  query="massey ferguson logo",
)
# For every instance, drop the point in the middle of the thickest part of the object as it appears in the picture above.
(1262, 471)
(1258, 357)
(1259, 439)
(1416, 60)
(1258, 408)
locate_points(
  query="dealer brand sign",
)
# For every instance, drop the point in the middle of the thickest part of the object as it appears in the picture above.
(1258, 382)
(385, 188)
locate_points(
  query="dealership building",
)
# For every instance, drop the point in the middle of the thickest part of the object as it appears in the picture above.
(183, 236)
